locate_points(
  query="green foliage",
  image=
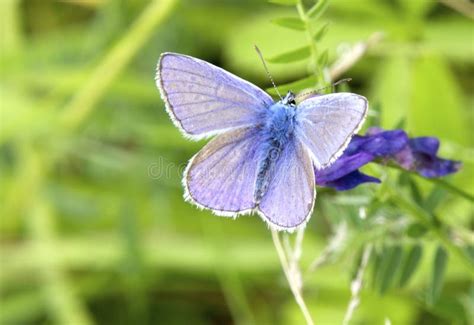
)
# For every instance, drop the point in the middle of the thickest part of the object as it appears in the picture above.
(292, 56)
(439, 269)
(89, 235)
(389, 264)
(308, 18)
(297, 86)
(321, 32)
(412, 259)
(290, 22)
(317, 9)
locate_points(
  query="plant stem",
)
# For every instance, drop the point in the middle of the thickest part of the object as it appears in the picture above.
(349, 59)
(450, 188)
(309, 35)
(298, 251)
(291, 281)
(356, 285)
(336, 241)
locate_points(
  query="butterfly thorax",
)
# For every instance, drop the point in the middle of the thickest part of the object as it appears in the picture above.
(277, 131)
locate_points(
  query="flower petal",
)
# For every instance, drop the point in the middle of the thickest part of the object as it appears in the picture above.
(351, 180)
(343, 166)
(427, 145)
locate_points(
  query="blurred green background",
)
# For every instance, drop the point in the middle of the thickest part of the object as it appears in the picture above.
(94, 229)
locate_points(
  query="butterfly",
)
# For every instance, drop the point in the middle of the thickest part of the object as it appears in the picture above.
(264, 153)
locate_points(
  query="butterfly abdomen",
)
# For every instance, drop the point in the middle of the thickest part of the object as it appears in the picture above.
(277, 130)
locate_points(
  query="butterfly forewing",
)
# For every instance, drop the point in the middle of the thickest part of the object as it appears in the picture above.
(203, 99)
(327, 123)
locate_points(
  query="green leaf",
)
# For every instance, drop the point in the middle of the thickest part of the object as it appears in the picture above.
(416, 230)
(374, 118)
(439, 268)
(401, 123)
(391, 258)
(321, 32)
(377, 263)
(318, 9)
(295, 86)
(410, 264)
(404, 179)
(290, 22)
(291, 56)
(435, 197)
(323, 58)
(284, 2)
(415, 191)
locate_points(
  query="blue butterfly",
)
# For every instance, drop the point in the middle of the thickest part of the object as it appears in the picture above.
(264, 154)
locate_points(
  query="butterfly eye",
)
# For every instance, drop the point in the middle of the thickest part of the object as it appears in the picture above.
(289, 99)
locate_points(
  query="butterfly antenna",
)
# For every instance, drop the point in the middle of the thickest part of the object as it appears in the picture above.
(268, 72)
(335, 84)
(318, 90)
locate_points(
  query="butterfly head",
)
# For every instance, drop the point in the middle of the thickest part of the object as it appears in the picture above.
(289, 99)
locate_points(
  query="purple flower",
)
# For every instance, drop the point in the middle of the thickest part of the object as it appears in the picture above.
(420, 156)
(417, 154)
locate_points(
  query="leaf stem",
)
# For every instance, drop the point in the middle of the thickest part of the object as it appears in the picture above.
(291, 280)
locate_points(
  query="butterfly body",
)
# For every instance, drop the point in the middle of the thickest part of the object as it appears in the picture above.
(276, 132)
(264, 153)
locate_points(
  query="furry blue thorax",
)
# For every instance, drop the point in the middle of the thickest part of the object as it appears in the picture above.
(277, 131)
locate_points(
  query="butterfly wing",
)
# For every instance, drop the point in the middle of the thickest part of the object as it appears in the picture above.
(222, 175)
(327, 123)
(289, 199)
(203, 99)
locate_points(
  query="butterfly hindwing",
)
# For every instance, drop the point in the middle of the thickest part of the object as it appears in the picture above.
(290, 196)
(327, 123)
(203, 99)
(222, 175)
